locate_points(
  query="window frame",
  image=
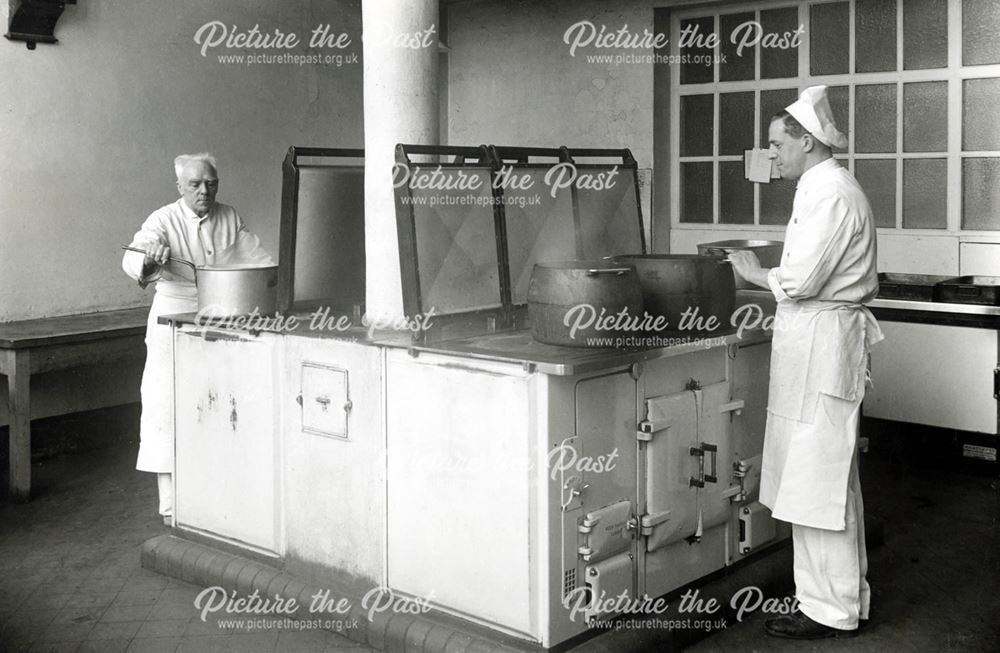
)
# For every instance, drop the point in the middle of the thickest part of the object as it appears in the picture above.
(955, 74)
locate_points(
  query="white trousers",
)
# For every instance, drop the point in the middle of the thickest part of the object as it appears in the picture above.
(830, 566)
(165, 483)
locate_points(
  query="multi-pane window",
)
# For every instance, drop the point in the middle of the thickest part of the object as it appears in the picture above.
(914, 84)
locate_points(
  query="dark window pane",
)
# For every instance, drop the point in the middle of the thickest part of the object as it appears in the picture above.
(981, 193)
(925, 195)
(694, 32)
(697, 124)
(696, 192)
(829, 30)
(980, 102)
(874, 35)
(878, 178)
(925, 34)
(776, 62)
(840, 104)
(771, 102)
(735, 122)
(735, 194)
(776, 201)
(736, 66)
(925, 117)
(980, 30)
(875, 118)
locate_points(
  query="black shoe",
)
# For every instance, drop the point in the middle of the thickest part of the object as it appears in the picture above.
(799, 626)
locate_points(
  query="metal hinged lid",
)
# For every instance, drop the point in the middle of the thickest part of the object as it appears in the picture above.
(447, 230)
(582, 204)
(322, 237)
(472, 228)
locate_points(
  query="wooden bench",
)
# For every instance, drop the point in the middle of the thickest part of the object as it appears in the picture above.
(54, 343)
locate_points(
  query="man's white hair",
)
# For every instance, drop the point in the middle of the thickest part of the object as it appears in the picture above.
(183, 160)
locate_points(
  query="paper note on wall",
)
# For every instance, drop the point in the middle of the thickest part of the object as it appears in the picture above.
(757, 166)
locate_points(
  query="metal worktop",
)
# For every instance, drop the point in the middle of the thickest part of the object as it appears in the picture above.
(519, 347)
(357, 334)
(943, 313)
(515, 347)
(905, 310)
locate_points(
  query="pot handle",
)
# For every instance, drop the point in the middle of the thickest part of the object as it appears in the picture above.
(175, 260)
(593, 272)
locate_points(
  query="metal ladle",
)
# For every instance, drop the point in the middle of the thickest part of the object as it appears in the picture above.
(194, 268)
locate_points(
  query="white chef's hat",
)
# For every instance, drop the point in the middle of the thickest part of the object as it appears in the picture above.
(813, 112)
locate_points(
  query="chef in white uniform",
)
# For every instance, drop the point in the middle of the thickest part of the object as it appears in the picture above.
(821, 339)
(205, 232)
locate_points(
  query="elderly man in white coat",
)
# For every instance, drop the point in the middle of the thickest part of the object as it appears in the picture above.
(821, 340)
(205, 232)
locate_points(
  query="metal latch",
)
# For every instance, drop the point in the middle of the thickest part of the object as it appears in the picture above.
(649, 522)
(738, 493)
(587, 526)
(733, 407)
(702, 477)
(648, 427)
(572, 488)
(214, 336)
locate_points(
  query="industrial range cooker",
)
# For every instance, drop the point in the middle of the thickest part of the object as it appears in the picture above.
(524, 487)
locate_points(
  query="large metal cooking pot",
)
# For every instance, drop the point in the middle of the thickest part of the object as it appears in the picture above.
(567, 298)
(231, 290)
(674, 283)
(226, 291)
(768, 253)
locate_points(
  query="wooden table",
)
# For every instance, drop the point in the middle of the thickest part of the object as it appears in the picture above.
(55, 343)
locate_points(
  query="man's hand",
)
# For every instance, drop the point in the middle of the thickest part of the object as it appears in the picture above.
(747, 265)
(156, 254)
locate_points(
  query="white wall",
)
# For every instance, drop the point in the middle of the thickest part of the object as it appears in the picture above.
(512, 80)
(89, 128)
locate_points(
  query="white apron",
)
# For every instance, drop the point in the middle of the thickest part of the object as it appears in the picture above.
(819, 348)
(156, 425)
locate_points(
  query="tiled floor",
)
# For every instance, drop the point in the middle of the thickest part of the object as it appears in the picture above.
(70, 578)
(935, 578)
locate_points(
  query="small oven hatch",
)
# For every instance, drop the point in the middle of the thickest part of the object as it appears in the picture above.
(324, 399)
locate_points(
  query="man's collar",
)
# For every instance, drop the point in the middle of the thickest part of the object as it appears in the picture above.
(190, 214)
(819, 168)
